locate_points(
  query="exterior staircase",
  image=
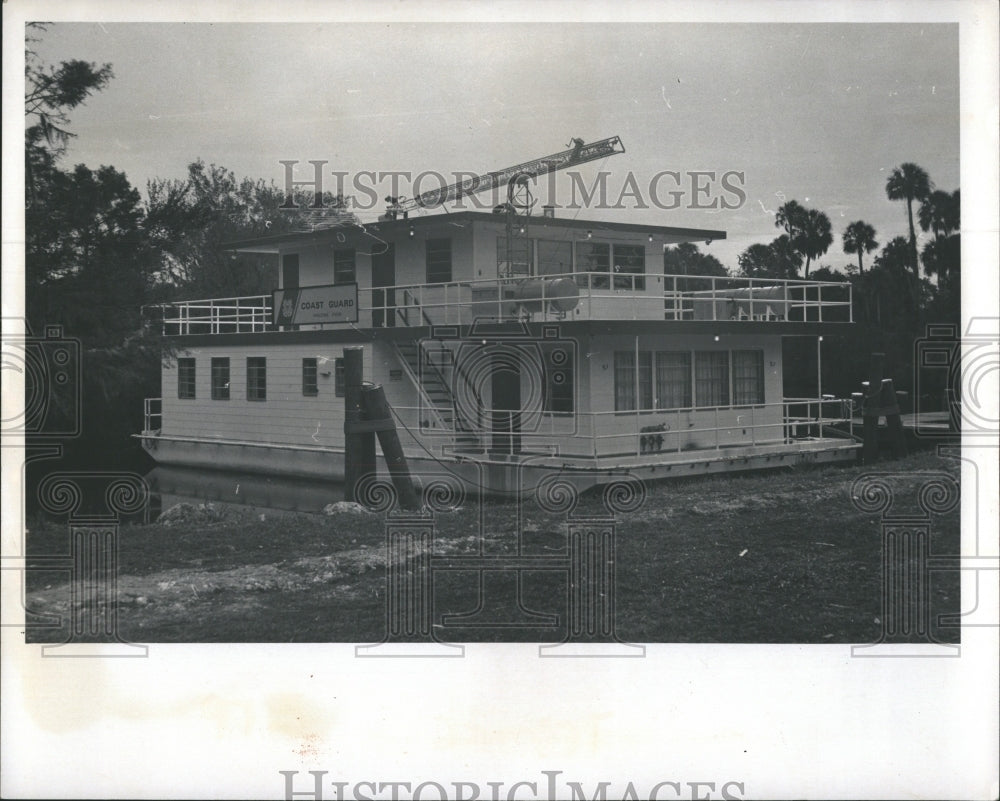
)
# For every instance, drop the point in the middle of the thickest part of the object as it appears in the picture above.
(439, 410)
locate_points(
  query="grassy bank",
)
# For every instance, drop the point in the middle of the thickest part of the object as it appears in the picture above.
(765, 557)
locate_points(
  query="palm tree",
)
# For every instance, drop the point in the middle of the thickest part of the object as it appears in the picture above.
(909, 182)
(859, 237)
(815, 237)
(939, 213)
(790, 216)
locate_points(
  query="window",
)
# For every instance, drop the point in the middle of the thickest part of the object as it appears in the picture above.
(438, 261)
(624, 380)
(673, 380)
(629, 260)
(711, 378)
(663, 379)
(627, 382)
(344, 271)
(220, 379)
(748, 377)
(290, 271)
(593, 257)
(310, 387)
(554, 258)
(559, 385)
(185, 379)
(256, 378)
(338, 378)
(521, 258)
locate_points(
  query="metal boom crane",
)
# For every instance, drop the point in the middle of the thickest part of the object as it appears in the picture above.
(580, 153)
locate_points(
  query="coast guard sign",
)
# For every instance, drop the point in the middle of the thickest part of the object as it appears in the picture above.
(309, 305)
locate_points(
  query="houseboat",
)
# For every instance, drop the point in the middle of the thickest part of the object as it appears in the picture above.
(558, 348)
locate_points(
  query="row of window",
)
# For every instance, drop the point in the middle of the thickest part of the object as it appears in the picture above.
(624, 265)
(437, 259)
(619, 261)
(683, 379)
(256, 377)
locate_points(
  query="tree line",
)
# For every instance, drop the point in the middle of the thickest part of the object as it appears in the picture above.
(902, 290)
(97, 253)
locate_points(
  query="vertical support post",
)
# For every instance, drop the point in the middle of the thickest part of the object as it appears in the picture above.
(819, 371)
(359, 446)
(871, 395)
(376, 408)
(819, 386)
(893, 420)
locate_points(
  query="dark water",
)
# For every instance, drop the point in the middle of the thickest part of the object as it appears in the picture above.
(91, 470)
(171, 485)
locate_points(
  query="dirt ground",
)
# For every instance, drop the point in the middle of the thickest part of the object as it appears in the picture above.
(775, 557)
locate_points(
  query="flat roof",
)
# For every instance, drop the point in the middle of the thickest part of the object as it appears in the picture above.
(388, 228)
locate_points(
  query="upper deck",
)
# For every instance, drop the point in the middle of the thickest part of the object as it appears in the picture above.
(575, 297)
(452, 269)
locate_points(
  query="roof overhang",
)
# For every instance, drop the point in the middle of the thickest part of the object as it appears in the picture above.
(351, 233)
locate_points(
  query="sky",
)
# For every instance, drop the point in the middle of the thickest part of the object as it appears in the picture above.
(819, 113)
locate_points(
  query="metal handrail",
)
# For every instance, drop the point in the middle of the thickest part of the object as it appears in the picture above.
(587, 425)
(714, 298)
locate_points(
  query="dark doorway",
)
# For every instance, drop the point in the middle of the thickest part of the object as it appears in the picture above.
(290, 271)
(505, 378)
(384, 300)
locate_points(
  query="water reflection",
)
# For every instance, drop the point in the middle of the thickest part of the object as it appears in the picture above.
(172, 485)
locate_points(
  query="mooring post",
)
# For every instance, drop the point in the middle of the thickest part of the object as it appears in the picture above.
(869, 408)
(359, 446)
(376, 410)
(889, 403)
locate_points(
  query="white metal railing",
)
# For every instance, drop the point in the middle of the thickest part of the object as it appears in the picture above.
(241, 315)
(651, 432)
(152, 414)
(579, 296)
(615, 296)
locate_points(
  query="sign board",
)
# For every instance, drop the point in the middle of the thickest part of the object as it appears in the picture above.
(309, 305)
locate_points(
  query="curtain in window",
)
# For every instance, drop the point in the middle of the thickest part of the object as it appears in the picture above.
(624, 380)
(748, 377)
(711, 378)
(673, 379)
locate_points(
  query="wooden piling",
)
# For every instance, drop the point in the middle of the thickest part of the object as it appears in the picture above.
(359, 446)
(890, 408)
(869, 408)
(376, 410)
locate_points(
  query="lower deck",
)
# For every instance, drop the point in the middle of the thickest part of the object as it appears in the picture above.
(496, 474)
(496, 402)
